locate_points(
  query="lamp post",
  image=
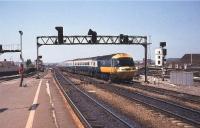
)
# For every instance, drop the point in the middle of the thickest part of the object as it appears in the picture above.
(21, 70)
(21, 33)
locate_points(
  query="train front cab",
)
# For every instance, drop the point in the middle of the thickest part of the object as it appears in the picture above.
(122, 68)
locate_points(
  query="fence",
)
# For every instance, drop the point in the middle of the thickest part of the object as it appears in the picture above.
(181, 78)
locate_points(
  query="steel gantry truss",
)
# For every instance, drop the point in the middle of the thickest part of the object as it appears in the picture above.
(9, 48)
(103, 40)
(100, 40)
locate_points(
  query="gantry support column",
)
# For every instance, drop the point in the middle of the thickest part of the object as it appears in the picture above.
(145, 60)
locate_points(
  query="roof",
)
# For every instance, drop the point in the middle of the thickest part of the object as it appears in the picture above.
(105, 57)
(193, 59)
(188, 58)
(173, 60)
(98, 57)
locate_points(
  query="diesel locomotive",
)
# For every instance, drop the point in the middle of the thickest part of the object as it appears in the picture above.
(114, 67)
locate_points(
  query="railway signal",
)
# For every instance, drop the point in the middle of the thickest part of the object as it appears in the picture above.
(164, 53)
(124, 38)
(94, 36)
(1, 48)
(60, 35)
(39, 57)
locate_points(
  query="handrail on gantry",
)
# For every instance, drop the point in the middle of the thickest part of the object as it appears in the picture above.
(9, 48)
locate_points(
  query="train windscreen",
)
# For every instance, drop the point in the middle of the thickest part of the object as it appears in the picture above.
(123, 62)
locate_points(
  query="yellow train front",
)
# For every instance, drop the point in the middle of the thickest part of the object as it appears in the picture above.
(117, 67)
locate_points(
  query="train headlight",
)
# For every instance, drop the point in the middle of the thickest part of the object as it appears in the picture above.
(119, 69)
(124, 69)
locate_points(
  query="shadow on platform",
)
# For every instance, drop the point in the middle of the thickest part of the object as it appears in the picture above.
(3, 109)
(33, 107)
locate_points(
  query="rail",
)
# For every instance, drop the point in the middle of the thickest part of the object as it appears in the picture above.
(186, 114)
(96, 102)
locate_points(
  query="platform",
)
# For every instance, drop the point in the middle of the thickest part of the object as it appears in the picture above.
(38, 105)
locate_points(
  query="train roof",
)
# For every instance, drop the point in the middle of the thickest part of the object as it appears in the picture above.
(105, 57)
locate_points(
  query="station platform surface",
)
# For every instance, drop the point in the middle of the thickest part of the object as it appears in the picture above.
(38, 105)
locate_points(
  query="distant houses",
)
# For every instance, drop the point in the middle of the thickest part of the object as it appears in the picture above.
(7, 67)
(188, 62)
(185, 62)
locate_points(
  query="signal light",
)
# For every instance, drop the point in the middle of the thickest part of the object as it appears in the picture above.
(40, 57)
(126, 39)
(164, 52)
(123, 38)
(60, 35)
(162, 44)
(94, 36)
(1, 49)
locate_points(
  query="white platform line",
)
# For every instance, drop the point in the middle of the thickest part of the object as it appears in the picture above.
(52, 105)
(29, 122)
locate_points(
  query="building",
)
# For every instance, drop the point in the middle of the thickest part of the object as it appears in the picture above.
(185, 62)
(8, 68)
(191, 60)
(158, 57)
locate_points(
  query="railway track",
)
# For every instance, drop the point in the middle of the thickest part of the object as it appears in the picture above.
(91, 113)
(185, 114)
(184, 97)
(162, 91)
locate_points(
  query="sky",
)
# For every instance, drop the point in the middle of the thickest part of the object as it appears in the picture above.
(175, 22)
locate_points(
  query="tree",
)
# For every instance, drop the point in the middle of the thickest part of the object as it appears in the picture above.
(29, 63)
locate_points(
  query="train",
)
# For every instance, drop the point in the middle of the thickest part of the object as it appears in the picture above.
(114, 67)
